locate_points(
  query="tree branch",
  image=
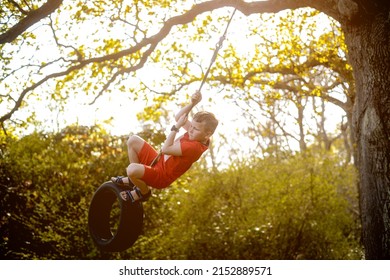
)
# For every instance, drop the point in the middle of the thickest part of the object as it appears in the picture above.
(328, 7)
(32, 17)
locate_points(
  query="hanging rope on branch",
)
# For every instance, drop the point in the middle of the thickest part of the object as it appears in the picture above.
(218, 46)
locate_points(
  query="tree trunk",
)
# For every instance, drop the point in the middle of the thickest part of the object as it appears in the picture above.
(369, 55)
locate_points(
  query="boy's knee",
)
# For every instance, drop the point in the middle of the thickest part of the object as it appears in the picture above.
(132, 170)
(131, 140)
(134, 140)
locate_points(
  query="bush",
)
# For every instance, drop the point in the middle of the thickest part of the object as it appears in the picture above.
(303, 207)
(47, 182)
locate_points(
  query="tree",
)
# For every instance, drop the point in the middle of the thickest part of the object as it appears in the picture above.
(292, 66)
(367, 34)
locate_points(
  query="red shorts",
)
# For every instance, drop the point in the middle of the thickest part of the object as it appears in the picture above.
(154, 176)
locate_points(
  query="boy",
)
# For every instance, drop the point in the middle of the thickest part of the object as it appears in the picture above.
(176, 156)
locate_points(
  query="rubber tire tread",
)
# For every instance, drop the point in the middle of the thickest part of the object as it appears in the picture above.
(130, 219)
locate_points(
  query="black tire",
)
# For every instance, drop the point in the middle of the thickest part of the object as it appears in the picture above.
(128, 221)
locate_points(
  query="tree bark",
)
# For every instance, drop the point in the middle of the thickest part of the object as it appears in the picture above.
(368, 40)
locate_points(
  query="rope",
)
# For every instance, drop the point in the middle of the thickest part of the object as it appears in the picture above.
(218, 46)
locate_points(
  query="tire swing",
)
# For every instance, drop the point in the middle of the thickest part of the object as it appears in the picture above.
(116, 229)
(114, 224)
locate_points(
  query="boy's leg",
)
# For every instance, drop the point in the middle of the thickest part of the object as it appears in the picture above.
(135, 171)
(134, 146)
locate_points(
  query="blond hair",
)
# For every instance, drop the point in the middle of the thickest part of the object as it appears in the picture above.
(208, 118)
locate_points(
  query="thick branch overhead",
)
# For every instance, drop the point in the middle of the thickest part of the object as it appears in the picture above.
(31, 18)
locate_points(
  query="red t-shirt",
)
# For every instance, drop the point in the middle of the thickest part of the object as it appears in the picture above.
(165, 172)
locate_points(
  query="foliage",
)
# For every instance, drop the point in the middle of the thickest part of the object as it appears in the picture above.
(301, 206)
(47, 181)
(292, 80)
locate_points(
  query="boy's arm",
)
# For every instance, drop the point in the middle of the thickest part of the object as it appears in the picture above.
(195, 99)
(171, 147)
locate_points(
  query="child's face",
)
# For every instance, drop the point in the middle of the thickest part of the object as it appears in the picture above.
(198, 132)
